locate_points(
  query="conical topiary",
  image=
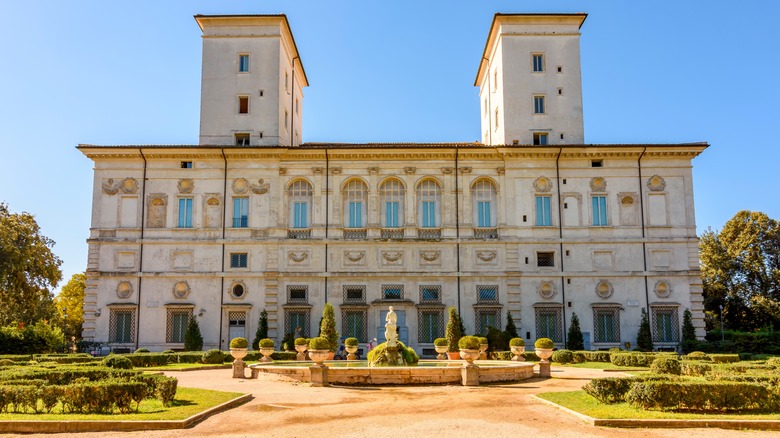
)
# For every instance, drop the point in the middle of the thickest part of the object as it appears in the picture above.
(688, 332)
(511, 329)
(574, 339)
(644, 339)
(328, 327)
(262, 329)
(193, 340)
(453, 333)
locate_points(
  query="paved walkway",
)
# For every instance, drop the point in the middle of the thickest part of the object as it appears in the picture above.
(283, 408)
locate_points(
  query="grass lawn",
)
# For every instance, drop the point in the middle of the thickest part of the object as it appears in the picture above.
(188, 402)
(583, 403)
(183, 367)
(601, 366)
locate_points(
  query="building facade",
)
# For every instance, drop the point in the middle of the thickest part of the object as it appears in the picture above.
(530, 222)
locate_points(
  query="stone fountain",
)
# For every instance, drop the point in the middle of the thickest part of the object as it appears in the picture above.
(393, 356)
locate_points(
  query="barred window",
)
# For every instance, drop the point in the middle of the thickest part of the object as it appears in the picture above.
(549, 323)
(177, 325)
(486, 318)
(121, 326)
(665, 326)
(487, 294)
(430, 294)
(353, 324)
(296, 321)
(354, 294)
(238, 260)
(606, 324)
(430, 325)
(297, 294)
(545, 259)
(392, 291)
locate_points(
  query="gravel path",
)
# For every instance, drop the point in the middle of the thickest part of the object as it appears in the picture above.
(283, 408)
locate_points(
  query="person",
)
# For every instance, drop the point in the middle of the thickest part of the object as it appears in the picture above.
(342, 353)
(371, 344)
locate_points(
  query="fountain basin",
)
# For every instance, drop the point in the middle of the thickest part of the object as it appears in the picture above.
(426, 372)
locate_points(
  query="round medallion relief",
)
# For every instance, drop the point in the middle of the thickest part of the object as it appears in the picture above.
(604, 289)
(124, 289)
(546, 290)
(181, 290)
(662, 289)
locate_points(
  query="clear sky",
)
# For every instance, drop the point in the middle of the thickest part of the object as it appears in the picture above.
(128, 72)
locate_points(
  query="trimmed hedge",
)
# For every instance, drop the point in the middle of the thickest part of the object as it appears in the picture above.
(142, 360)
(596, 356)
(563, 356)
(724, 358)
(213, 357)
(665, 365)
(614, 389)
(701, 396)
(529, 356)
(632, 359)
(694, 368)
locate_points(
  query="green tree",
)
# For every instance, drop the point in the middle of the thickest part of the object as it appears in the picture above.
(574, 339)
(644, 339)
(688, 332)
(193, 340)
(262, 330)
(511, 329)
(740, 268)
(70, 305)
(28, 269)
(328, 327)
(454, 330)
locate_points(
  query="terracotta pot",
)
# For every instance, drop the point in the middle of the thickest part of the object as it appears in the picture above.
(469, 355)
(453, 355)
(544, 353)
(238, 353)
(266, 352)
(319, 356)
(518, 352)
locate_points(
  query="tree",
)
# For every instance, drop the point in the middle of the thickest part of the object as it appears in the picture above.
(511, 329)
(644, 339)
(70, 305)
(574, 339)
(28, 269)
(328, 327)
(740, 268)
(454, 331)
(688, 332)
(193, 340)
(262, 330)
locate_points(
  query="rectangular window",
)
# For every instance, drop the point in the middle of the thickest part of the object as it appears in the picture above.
(243, 104)
(545, 259)
(538, 62)
(122, 326)
(353, 324)
(483, 214)
(540, 138)
(599, 211)
(238, 260)
(429, 214)
(178, 319)
(297, 294)
(430, 294)
(487, 318)
(354, 294)
(392, 292)
(297, 322)
(300, 215)
(186, 164)
(487, 294)
(242, 139)
(543, 216)
(430, 325)
(356, 214)
(664, 324)
(391, 214)
(185, 213)
(243, 63)
(240, 212)
(548, 323)
(606, 324)
(538, 104)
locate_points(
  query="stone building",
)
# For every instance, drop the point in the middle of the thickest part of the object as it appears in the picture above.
(531, 221)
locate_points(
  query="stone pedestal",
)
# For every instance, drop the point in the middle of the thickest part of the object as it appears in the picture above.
(300, 356)
(238, 369)
(544, 368)
(319, 375)
(470, 375)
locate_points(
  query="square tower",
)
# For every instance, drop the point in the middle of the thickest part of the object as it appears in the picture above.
(529, 80)
(252, 83)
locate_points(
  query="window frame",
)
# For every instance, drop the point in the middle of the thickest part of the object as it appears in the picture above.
(543, 210)
(391, 287)
(537, 67)
(241, 207)
(392, 191)
(242, 139)
(484, 198)
(484, 288)
(299, 198)
(599, 211)
(239, 258)
(355, 197)
(185, 213)
(243, 104)
(429, 203)
(543, 330)
(435, 327)
(243, 67)
(174, 334)
(601, 333)
(114, 314)
(541, 138)
(539, 104)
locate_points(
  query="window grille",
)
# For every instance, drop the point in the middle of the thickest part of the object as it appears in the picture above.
(430, 325)
(354, 294)
(392, 291)
(176, 325)
(121, 326)
(485, 318)
(606, 324)
(430, 294)
(355, 233)
(354, 324)
(392, 233)
(429, 233)
(487, 294)
(545, 259)
(549, 323)
(297, 294)
(238, 260)
(665, 325)
(485, 233)
(295, 317)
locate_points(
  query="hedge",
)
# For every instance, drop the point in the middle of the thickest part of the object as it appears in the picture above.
(665, 365)
(724, 358)
(632, 359)
(563, 356)
(701, 396)
(596, 356)
(528, 356)
(614, 389)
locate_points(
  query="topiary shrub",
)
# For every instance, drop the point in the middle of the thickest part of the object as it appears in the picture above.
(376, 357)
(9, 362)
(724, 358)
(468, 343)
(665, 365)
(440, 342)
(631, 359)
(578, 357)
(193, 340)
(563, 356)
(239, 343)
(516, 342)
(168, 352)
(694, 368)
(700, 396)
(319, 343)
(574, 339)
(482, 340)
(328, 327)
(351, 342)
(688, 332)
(697, 355)
(118, 362)
(511, 328)
(262, 329)
(266, 343)
(142, 350)
(453, 332)
(301, 341)
(213, 357)
(644, 338)
(544, 343)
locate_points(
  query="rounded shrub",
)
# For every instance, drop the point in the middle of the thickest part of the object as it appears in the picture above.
(266, 343)
(440, 342)
(697, 355)
(563, 356)
(351, 342)
(468, 343)
(318, 343)
(143, 350)
(6, 362)
(482, 340)
(168, 352)
(239, 343)
(666, 365)
(724, 358)
(118, 362)
(544, 343)
(516, 342)
(774, 361)
(213, 357)
(301, 341)
(578, 357)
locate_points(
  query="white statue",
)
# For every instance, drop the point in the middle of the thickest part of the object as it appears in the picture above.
(391, 330)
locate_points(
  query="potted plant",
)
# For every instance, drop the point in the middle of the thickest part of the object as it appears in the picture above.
(267, 349)
(469, 348)
(319, 349)
(441, 346)
(517, 345)
(483, 346)
(238, 348)
(453, 334)
(351, 345)
(544, 348)
(301, 344)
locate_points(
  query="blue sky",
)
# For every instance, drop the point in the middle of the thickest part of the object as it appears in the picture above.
(128, 72)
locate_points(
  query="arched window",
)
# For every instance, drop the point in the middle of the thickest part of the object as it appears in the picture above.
(392, 195)
(429, 204)
(483, 194)
(355, 193)
(299, 201)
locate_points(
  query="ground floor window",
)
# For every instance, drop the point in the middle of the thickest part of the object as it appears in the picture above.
(176, 326)
(236, 325)
(664, 324)
(121, 326)
(549, 323)
(296, 321)
(485, 318)
(606, 324)
(430, 325)
(354, 324)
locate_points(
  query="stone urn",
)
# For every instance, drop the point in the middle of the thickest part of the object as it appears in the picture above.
(266, 352)
(469, 355)
(518, 352)
(318, 356)
(442, 350)
(544, 353)
(483, 351)
(301, 349)
(238, 353)
(351, 349)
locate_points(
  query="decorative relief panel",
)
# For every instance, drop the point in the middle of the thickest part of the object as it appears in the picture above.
(298, 257)
(392, 258)
(181, 290)
(156, 210)
(241, 186)
(656, 184)
(604, 289)
(447, 170)
(598, 184)
(542, 184)
(430, 257)
(127, 186)
(185, 185)
(124, 290)
(662, 289)
(354, 258)
(410, 170)
(546, 289)
(486, 257)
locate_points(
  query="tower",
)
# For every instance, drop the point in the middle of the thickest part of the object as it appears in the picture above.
(529, 80)
(252, 84)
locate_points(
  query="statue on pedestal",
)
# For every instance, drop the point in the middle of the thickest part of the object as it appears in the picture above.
(391, 329)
